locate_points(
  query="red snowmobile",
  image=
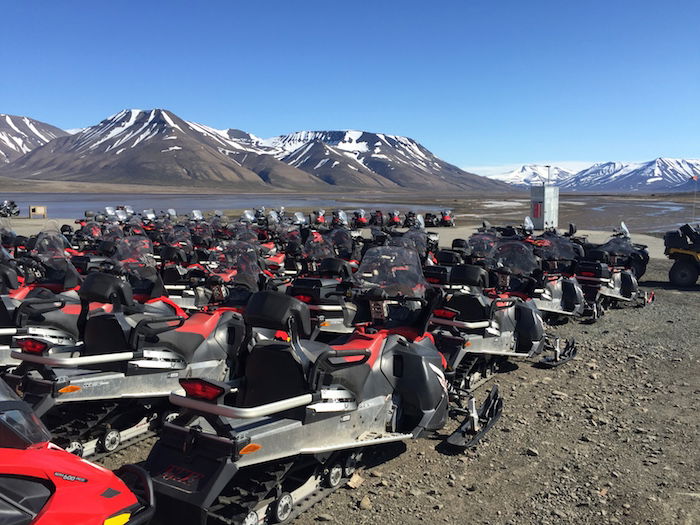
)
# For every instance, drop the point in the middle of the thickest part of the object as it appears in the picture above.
(42, 484)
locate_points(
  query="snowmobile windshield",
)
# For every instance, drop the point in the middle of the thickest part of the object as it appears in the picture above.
(121, 215)
(618, 246)
(50, 244)
(482, 244)
(518, 257)
(414, 239)
(317, 247)
(113, 233)
(92, 230)
(135, 249)
(202, 229)
(395, 269)
(149, 214)
(180, 236)
(4, 255)
(342, 216)
(361, 213)
(197, 215)
(341, 241)
(248, 216)
(299, 218)
(110, 211)
(243, 232)
(554, 248)
(19, 426)
(244, 258)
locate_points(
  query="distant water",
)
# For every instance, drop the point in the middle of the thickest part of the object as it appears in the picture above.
(72, 205)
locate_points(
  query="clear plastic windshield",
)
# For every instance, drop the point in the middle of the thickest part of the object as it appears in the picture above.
(242, 257)
(341, 241)
(393, 268)
(554, 248)
(482, 245)
(618, 246)
(113, 233)
(248, 216)
(517, 256)
(317, 247)
(197, 215)
(50, 244)
(20, 421)
(135, 249)
(4, 255)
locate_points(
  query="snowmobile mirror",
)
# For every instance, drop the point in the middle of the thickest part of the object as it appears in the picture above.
(572, 229)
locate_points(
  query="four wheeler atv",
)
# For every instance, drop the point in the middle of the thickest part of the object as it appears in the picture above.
(683, 246)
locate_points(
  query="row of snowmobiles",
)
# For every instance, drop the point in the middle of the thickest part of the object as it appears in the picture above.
(271, 360)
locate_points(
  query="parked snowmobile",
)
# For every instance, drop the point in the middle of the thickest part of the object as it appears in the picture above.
(546, 281)
(394, 219)
(410, 219)
(607, 274)
(296, 422)
(377, 219)
(42, 484)
(9, 209)
(108, 389)
(447, 218)
(431, 220)
(359, 219)
(477, 332)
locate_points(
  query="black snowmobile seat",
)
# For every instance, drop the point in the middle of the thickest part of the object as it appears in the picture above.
(187, 339)
(277, 311)
(334, 267)
(101, 287)
(471, 308)
(448, 257)
(469, 275)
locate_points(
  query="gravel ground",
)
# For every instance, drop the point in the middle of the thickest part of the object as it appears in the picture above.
(611, 437)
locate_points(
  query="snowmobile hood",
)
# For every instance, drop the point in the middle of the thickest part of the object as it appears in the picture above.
(82, 493)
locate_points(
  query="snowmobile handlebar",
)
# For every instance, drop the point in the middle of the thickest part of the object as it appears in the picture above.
(37, 306)
(323, 362)
(145, 328)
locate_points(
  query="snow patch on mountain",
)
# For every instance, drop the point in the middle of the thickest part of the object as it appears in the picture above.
(530, 174)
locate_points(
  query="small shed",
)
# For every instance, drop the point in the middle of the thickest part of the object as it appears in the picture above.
(544, 206)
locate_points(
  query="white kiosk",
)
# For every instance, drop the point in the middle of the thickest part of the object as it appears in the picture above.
(544, 206)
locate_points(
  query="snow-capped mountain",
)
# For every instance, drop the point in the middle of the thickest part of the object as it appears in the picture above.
(530, 174)
(20, 135)
(154, 147)
(661, 174)
(158, 147)
(374, 159)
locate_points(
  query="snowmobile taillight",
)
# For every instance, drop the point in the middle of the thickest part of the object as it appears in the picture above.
(200, 389)
(445, 313)
(33, 346)
(433, 280)
(304, 298)
(588, 274)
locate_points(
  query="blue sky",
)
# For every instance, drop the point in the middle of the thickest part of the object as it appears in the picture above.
(480, 83)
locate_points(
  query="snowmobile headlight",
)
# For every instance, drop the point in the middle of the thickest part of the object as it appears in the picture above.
(119, 519)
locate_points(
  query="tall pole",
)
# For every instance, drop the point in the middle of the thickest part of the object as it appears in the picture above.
(549, 173)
